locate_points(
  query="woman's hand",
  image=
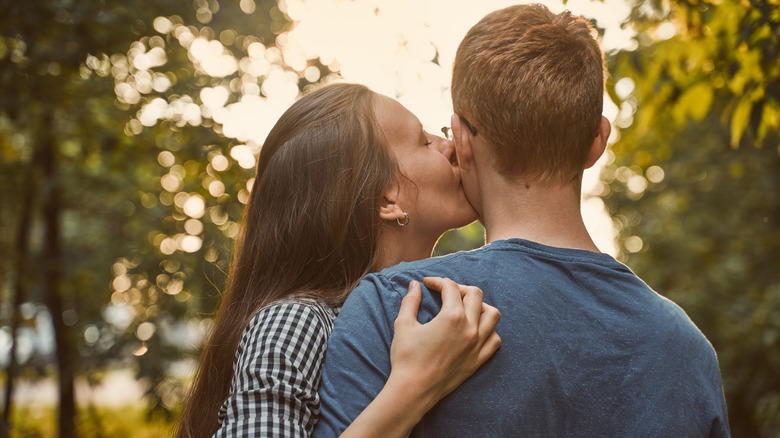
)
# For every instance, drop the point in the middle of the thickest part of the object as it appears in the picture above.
(435, 358)
(428, 361)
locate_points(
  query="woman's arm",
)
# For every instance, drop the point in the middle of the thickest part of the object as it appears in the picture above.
(430, 360)
(279, 362)
(277, 372)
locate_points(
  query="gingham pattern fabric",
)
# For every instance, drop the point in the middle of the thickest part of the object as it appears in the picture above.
(277, 370)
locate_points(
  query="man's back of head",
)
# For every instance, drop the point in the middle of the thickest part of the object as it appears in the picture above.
(531, 83)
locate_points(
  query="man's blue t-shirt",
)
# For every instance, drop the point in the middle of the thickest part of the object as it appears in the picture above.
(588, 350)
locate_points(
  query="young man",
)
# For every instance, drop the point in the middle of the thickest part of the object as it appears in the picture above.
(588, 349)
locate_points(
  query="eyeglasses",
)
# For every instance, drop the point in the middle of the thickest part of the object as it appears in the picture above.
(447, 131)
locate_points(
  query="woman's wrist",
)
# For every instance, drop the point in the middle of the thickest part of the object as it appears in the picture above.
(401, 404)
(413, 392)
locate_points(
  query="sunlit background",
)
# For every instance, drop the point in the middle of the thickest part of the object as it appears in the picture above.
(400, 48)
(157, 120)
(403, 49)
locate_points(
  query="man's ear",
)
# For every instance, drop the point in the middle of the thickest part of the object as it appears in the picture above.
(389, 209)
(599, 143)
(462, 139)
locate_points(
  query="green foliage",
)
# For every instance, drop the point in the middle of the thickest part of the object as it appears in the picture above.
(463, 239)
(140, 269)
(690, 51)
(694, 184)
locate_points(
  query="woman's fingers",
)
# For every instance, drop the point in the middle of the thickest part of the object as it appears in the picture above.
(450, 293)
(410, 305)
(472, 302)
(460, 298)
(468, 299)
(488, 318)
(490, 341)
(488, 348)
(450, 347)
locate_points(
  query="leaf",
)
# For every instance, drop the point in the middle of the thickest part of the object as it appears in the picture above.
(770, 120)
(739, 121)
(695, 101)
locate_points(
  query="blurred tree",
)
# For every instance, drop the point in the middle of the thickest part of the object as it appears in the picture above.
(57, 135)
(192, 87)
(694, 183)
(129, 190)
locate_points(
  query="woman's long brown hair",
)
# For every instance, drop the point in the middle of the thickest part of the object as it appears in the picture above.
(310, 228)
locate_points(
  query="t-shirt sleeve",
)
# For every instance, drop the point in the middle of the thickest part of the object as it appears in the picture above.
(357, 364)
(276, 374)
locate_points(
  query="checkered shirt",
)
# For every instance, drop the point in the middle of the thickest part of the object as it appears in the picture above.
(277, 370)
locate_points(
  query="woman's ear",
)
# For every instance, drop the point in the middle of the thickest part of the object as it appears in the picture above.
(389, 209)
(462, 140)
(599, 143)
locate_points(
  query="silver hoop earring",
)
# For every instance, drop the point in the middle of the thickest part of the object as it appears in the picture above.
(405, 223)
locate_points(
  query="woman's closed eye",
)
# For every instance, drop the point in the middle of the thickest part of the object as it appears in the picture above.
(425, 139)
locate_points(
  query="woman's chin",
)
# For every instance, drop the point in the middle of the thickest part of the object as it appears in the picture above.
(469, 217)
(469, 205)
(471, 220)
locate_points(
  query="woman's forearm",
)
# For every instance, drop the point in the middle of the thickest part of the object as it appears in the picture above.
(395, 410)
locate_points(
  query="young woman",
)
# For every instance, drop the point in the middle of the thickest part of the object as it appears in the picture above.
(347, 183)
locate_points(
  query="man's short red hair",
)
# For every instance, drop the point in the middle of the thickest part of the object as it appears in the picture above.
(532, 83)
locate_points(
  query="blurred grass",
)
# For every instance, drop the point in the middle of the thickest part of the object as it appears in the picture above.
(93, 422)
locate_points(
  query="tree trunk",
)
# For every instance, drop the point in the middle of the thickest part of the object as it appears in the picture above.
(21, 250)
(52, 255)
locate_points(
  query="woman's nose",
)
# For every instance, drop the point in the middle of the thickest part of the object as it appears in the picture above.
(447, 148)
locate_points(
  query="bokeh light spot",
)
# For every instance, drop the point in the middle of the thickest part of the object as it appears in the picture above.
(145, 331)
(219, 163)
(195, 206)
(166, 159)
(191, 244)
(655, 174)
(633, 244)
(243, 155)
(193, 227)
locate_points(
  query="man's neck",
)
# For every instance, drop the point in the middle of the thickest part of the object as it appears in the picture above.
(544, 213)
